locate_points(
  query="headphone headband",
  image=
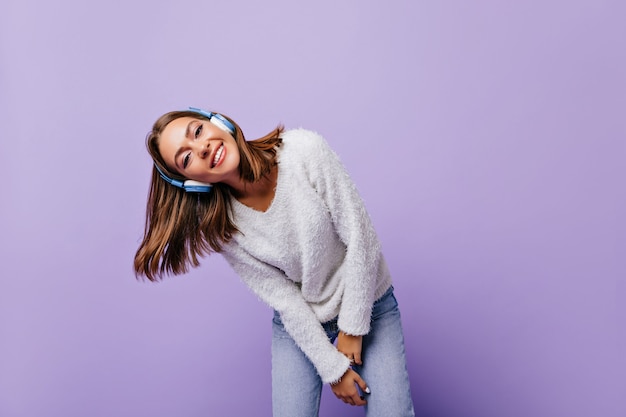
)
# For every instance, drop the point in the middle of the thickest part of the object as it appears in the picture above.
(192, 186)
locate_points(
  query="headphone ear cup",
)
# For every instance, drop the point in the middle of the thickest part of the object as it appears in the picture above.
(217, 119)
(221, 123)
(192, 186)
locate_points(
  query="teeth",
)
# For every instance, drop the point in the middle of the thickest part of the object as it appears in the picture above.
(218, 154)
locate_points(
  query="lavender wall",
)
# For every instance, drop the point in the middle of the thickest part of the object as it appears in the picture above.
(487, 139)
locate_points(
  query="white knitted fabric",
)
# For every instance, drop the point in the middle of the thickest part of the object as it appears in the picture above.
(313, 255)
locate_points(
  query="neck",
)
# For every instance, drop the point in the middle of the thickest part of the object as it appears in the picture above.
(258, 195)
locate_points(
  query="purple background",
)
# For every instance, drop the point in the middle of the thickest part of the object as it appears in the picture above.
(487, 138)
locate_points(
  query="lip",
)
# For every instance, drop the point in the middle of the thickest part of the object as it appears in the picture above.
(219, 161)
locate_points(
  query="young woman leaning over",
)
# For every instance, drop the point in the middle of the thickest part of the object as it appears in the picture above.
(285, 214)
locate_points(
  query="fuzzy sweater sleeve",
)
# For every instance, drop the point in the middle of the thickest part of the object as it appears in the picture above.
(283, 295)
(363, 259)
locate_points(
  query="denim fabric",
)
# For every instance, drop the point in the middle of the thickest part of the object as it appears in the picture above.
(297, 389)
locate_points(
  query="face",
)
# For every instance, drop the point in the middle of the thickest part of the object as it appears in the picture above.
(199, 150)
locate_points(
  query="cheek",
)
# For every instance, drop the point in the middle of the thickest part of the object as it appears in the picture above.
(234, 155)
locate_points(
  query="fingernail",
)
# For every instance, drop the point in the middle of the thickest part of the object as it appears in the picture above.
(367, 390)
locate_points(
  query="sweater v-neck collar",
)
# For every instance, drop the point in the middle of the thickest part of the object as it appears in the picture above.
(241, 208)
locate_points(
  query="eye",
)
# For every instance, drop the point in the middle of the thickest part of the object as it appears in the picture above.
(186, 160)
(198, 131)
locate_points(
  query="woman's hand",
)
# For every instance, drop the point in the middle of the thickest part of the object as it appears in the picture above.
(351, 347)
(345, 389)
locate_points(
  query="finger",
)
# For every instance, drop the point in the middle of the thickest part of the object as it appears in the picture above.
(362, 384)
(358, 400)
(357, 358)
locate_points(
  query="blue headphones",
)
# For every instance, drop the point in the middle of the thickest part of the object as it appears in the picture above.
(192, 186)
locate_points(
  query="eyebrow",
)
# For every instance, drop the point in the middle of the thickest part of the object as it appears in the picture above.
(180, 150)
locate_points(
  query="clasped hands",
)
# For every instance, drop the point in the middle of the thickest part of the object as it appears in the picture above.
(346, 388)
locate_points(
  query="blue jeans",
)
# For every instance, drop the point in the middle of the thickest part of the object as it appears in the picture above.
(297, 388)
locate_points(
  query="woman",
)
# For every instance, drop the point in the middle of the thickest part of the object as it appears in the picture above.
(284, 213)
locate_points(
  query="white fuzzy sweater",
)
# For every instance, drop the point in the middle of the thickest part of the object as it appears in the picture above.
(313, 255)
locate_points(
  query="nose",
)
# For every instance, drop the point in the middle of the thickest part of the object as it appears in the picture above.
(202, 149)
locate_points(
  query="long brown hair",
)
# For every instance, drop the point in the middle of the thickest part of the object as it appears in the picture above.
(180, 226)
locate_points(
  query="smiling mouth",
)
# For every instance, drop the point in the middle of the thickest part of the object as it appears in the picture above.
(217, 156)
